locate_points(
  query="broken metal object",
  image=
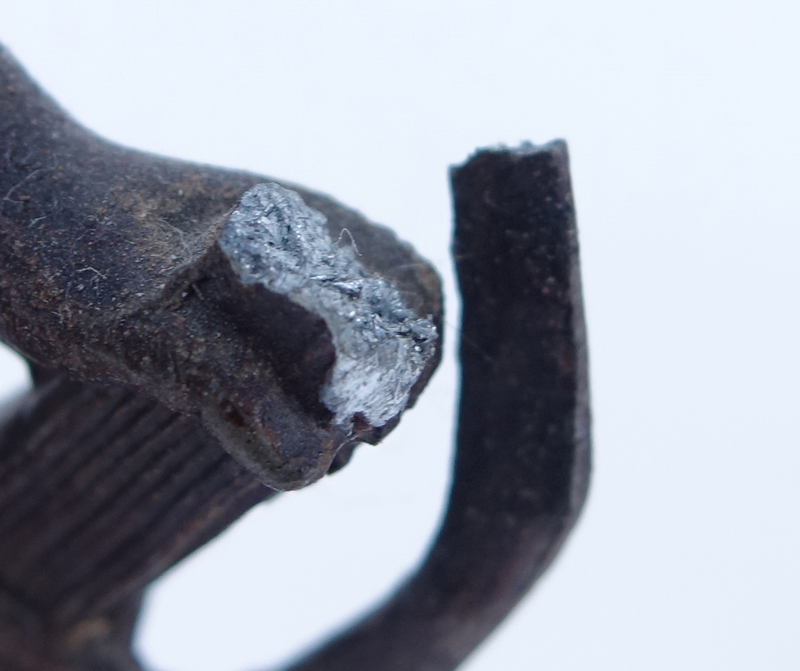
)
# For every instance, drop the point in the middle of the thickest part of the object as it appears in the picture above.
(130, 283)
(171, 310)
(130, 268)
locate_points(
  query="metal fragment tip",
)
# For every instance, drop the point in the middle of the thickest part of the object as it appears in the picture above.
(275, 239)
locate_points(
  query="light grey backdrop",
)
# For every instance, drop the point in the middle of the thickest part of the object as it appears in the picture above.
(682, 120)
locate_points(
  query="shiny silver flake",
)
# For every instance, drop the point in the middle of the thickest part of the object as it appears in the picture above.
(275, 239)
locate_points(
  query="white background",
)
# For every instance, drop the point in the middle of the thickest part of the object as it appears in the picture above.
(682, 119)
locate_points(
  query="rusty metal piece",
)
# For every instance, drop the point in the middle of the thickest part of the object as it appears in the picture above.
(161, 329)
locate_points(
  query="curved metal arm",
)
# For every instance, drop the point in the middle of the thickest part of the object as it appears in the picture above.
(522, 462)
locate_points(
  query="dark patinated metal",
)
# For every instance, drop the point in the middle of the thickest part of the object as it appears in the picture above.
(102, 489)
(110, 268)
(150, 355)
(522, 460)
(175, 377)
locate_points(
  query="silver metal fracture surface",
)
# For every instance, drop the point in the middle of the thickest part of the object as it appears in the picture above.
(273, 238)
(129, 268)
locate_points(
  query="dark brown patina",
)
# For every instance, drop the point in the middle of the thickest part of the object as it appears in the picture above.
(170, 395)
